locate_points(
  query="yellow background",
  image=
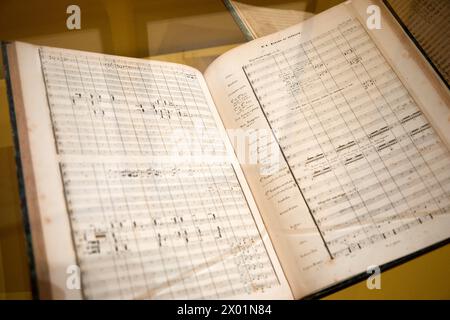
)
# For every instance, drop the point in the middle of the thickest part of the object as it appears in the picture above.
(186, 31)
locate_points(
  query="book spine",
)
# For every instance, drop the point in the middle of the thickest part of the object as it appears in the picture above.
(19, 172)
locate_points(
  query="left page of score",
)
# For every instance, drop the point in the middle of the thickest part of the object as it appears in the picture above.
(135, 183)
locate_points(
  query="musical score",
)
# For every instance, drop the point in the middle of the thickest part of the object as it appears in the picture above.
(144, 228)
(364, 157)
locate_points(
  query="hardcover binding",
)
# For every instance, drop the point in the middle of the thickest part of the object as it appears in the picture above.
(19, 173)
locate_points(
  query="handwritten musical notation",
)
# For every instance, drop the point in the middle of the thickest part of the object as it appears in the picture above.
(144, 229)
(364, 157)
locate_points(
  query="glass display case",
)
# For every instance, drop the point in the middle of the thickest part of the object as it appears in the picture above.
(192, 32)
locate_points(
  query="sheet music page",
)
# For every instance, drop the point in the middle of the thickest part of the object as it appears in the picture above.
(427, 21)
(263, 21)
(360, 177)
(155, 206)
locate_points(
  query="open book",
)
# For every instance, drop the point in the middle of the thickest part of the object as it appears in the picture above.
(294, 163)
